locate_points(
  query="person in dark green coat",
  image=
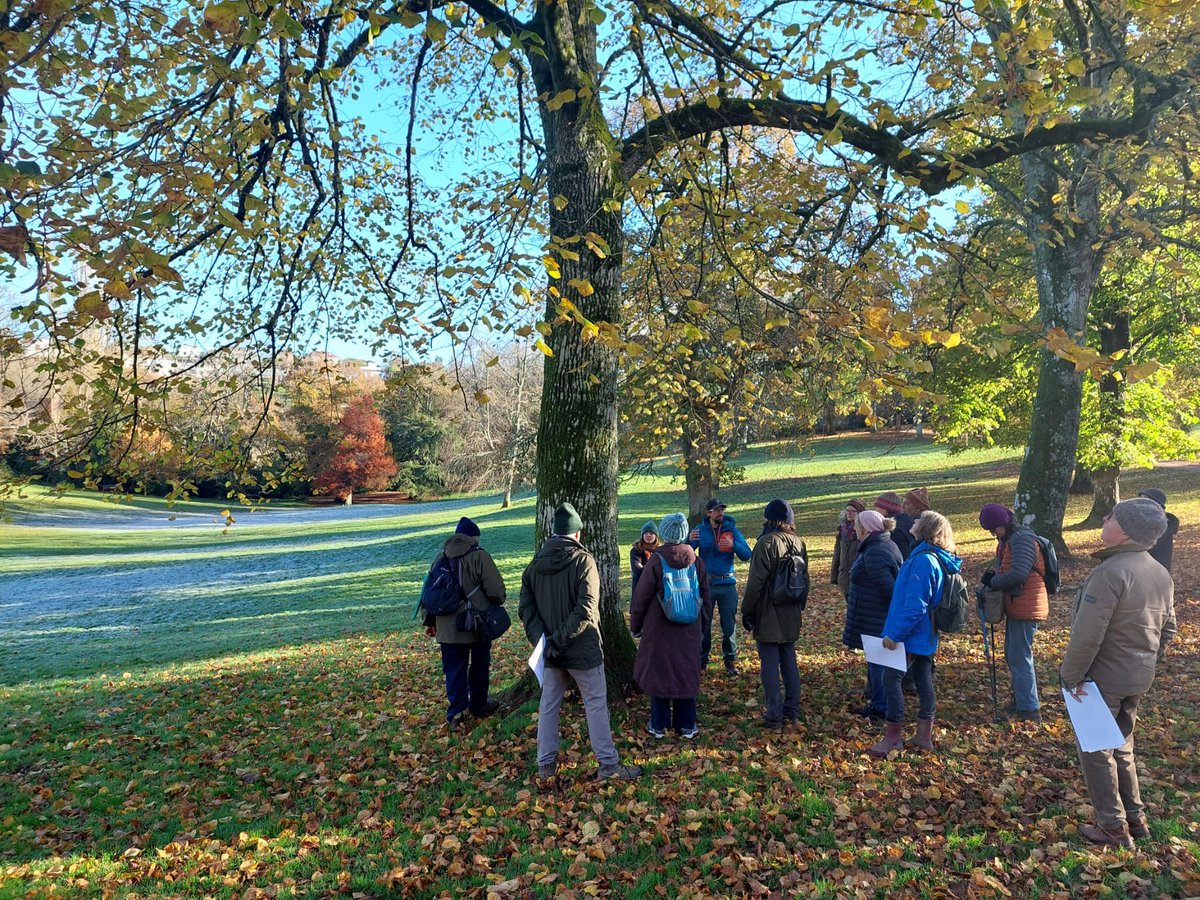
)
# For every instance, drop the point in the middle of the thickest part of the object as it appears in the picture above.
(775, 627)
(560, 601)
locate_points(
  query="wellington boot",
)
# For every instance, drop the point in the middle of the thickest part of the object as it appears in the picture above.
(893, 739)
(924, 738)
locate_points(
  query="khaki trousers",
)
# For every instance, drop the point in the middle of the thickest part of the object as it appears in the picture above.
(1111, 775)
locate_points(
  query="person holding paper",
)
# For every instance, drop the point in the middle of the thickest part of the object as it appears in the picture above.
(909, 622)
(872, 580)
(560, 600)
(665, 668)
(1124, 617)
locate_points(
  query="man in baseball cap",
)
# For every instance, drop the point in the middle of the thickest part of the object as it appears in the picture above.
(717, 539)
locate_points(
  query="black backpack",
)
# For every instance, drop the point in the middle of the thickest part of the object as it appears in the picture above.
(950, 615)
(1050, 560)
(789, 585)
(442, 592)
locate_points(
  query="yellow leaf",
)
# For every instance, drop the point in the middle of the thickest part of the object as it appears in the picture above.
(962, 207)
(559, 100)
(560, 202)
(712, 101)
(542, 346)
(552, 268)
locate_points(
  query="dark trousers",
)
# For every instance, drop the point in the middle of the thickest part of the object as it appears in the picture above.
(876, 692)
(921, 669)
(467, 668)
(780, 660)
(677, 714)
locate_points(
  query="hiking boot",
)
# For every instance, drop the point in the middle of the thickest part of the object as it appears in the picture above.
(659, 733)
(1010, 709)
(771, 724)
(1107, 835)
(550, 770)
(1138, 827)
(457, 723)
(690, 733)
(618, 772)
(489, 708)
(924, 738)
(731, 666)
(1029, 715)
(893, 739)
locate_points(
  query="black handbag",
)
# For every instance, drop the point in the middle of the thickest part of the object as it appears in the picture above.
(492, 622)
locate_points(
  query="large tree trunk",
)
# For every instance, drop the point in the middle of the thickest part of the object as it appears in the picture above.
(699, 476)
(1106, 483)
(1066, 266)
(577, 430)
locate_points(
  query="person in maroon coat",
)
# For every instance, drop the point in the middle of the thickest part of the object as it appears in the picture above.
(667, 667)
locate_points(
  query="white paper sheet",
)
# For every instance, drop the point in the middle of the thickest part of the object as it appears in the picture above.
(1094, 725)
(537, 659)
(876, 653)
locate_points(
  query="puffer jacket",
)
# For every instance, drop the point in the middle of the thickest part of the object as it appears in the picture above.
(560, 598)
(771, 624)
(918, 591)
(480, 580)
(902, 534)
(1124, 617)
(639, 555)
(845, 548)
(1165, 548)
(872, 580)
(1021, 574)
(668, 656)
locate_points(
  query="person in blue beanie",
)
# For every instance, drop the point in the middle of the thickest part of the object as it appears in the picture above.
(717, 540)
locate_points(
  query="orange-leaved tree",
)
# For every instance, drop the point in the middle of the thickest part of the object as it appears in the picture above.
(363, 459)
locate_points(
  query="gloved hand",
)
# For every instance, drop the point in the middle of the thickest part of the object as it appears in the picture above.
(987, 578)
(747, 623)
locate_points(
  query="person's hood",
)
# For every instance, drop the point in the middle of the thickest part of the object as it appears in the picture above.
(874, 537)
(949, 560)
(459, 545)
(678, 555)
(556, 554)
(1120, 548)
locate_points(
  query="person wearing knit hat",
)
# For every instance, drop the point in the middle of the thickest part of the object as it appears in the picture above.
(560, 609)
(1164, 549)
(1123, 619)
(639, 553)
(665, 667)
(1019, 572)
(775, 626)
(466, 655)
(845, 546)
(916, 501)
(890, 506)
(717, 539)
(872, 582)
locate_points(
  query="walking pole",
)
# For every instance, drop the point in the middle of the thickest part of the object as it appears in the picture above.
(989, 647)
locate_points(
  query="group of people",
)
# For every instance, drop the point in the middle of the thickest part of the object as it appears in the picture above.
(892, 562)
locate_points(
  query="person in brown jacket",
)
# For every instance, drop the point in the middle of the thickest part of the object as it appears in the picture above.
(845, 546)
(775, 627)
(668, 655)
(466, 657)
(1124, 617)
(1020, 573)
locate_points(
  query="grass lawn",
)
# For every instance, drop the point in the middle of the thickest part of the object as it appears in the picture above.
(193, 711)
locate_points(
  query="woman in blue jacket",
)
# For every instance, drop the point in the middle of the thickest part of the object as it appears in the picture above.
(910, 622)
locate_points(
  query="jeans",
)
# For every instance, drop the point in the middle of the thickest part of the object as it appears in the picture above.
(1018, 653)
(594, 690)
(1111, 775)
(725, 601)
(466, 667)
(921, 668)
(777, 660)
(876, 694)
(677, 714)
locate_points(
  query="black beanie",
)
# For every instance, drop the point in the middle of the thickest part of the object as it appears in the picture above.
(779, 511)
(467, 527)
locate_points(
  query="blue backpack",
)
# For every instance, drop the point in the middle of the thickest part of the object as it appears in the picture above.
(681, 593)
(442, 593)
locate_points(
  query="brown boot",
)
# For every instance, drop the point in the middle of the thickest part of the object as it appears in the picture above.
(924, 738)
(893, 739)
(1107, 835)
(1138, 827)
